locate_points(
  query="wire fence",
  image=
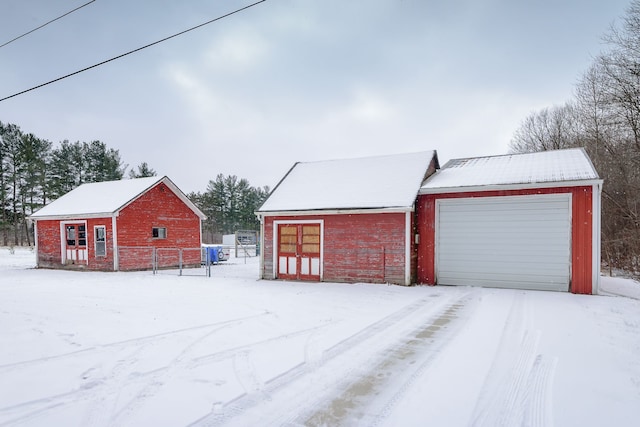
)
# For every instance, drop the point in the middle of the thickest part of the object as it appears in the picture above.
(180, 261)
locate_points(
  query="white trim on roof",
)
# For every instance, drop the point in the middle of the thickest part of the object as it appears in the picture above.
(500, 187)
(182, 197)
(74, 216)
(262, 214)
(166, 181)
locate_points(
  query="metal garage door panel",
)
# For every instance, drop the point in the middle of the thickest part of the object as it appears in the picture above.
(519, 242)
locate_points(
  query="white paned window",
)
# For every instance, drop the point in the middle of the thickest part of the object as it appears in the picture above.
(100, 234)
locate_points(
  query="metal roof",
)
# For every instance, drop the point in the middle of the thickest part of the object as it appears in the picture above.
(558, 166)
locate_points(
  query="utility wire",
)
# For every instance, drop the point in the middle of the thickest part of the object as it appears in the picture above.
(46, 23)
(134, 50)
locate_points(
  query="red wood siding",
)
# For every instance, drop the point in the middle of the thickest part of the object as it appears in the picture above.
(581, 232)
(50, 253)
(366, 248)
(158, 207)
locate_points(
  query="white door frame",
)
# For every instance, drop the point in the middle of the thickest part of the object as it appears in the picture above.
(63, 240)
(279, 222)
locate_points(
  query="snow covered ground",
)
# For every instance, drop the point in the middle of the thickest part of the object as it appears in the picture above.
(134, 349)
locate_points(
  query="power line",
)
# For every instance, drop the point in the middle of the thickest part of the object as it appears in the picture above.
(46, 23)
(134, 50)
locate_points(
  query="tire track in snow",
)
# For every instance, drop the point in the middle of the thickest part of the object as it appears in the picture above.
(517, 389)
(128, 342)
(224, 411)
(158, 378)
(103, 391)
(280, 399)
(246, 373)
(405, 361)
(540, 384)
(104, 400)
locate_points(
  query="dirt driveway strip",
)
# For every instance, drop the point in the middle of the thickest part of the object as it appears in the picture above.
(404, 361)
(376, 366)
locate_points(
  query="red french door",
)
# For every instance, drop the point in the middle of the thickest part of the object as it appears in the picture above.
(75, 243)
(299, 251)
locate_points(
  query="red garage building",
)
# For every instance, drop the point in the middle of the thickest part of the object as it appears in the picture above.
(119, 225)
(345, 220)
(528, 221)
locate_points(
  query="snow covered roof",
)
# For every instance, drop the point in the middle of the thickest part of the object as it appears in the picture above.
(105, 198)
(558, 166)
(364, 183)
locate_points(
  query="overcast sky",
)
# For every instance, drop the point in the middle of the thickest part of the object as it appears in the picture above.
(293, 80)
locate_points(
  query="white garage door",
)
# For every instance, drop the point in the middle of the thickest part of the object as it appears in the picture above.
(519, 242)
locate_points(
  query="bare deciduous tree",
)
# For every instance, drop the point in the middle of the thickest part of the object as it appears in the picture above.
(604, 118)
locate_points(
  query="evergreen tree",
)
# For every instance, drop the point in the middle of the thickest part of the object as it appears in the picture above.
(230, 203)
(5, 205)
(144, 171)
(14, 173)
(63, 173)
(34, 177)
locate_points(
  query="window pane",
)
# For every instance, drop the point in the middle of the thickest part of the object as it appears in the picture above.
(82, 235)
(311, 229)
(101, 244)
(311, 248)
(288, 248)
(71, 235)
(159, 232)
(288, 230)
(288, 239)
(310, 239)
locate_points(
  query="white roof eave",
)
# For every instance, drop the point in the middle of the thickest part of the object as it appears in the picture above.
(73, 216)
(515, 186)
(346, 211)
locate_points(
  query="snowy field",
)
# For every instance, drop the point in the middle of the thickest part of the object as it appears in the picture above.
(134, 349)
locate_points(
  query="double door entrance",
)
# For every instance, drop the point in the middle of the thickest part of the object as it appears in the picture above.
(299, 251)
(75, 243)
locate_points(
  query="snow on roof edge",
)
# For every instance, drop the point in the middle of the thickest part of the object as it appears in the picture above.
(109, 209)
(564, 166)
(358, 175)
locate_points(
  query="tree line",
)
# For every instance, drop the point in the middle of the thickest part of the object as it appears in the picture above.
(35, 171)
(603, 116)
(229, 204)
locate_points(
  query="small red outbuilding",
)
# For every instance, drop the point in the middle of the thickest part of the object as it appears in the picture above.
(119, 225)
(345, 220)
